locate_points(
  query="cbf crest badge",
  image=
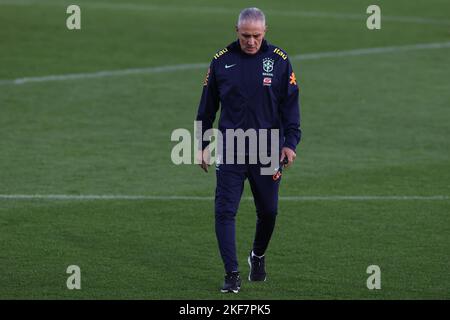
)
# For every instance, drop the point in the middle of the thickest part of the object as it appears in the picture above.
(267, 65)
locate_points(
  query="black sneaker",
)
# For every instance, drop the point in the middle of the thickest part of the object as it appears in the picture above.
(232, 282)
(257, 268)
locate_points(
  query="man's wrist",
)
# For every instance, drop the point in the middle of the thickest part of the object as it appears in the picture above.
(290, 146)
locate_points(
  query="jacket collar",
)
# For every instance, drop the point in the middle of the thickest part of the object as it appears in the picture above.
(235, 46)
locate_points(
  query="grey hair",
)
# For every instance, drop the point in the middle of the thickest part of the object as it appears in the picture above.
(251, 14)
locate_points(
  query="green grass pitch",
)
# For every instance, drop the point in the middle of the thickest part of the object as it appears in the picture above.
(373, 125)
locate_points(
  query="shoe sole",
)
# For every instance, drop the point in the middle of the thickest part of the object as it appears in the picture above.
(230, 291)
(250, 265)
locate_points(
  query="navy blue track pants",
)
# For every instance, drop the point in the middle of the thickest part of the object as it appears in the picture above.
(229, 188)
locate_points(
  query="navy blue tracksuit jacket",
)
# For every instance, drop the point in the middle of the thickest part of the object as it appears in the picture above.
(254, 91)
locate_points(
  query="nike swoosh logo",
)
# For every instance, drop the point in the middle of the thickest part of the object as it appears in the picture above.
(229, 66)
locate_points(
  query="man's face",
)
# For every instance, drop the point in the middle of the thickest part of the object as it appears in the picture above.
(251, 34)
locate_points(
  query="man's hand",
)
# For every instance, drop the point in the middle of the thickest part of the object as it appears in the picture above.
(289, 154)
(203, 157)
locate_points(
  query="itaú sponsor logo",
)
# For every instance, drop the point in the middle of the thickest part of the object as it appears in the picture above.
(267, 81)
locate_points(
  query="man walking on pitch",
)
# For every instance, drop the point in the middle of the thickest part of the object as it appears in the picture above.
(255, 85)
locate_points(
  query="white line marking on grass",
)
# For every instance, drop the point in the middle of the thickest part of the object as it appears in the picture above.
(105, 74)
(368, 51)
(67, 197)
(223, 10)
(194, 66)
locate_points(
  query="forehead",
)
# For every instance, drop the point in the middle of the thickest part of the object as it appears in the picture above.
(251, 27)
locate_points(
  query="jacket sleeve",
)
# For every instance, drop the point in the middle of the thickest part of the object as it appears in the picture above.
(209, 104)
(290, 109)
